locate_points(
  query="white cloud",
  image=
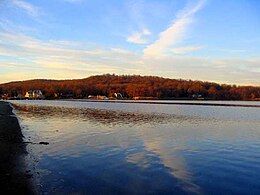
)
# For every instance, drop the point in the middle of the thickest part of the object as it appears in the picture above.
(65, 59)
(27, 7)
(174, 33)
(139, 37)
(186, 49)
(25, 52)
(221, 70)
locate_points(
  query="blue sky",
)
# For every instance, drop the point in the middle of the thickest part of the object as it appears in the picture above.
(209, 40)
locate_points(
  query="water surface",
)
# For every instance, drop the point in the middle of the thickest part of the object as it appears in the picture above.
(142, 148)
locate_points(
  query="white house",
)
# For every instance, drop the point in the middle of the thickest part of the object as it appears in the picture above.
(118, 95)
(34, 94)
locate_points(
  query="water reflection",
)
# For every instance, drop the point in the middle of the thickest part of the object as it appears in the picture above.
(114, 151)
(103, 116)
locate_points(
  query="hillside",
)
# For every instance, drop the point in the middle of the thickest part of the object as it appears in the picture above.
(132, 86)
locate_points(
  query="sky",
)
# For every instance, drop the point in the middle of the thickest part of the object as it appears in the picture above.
(209, 40)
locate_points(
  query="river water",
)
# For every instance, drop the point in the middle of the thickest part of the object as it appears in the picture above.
(115, 148)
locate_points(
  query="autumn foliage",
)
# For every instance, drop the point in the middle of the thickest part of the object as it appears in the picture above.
(132, 86)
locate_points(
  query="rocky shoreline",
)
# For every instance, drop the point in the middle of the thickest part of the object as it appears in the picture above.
(13, 175)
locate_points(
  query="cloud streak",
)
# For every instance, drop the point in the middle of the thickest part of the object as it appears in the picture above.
(174, 33)
(27, 7)
(184, 50)
(139, 37)
(25, 51)
(34, 58)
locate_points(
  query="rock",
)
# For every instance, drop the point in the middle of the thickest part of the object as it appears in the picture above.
(44, 143)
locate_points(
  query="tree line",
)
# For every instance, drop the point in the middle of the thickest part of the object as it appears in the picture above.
(131, 86)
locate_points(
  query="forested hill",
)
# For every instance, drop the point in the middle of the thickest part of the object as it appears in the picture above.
(132, 86)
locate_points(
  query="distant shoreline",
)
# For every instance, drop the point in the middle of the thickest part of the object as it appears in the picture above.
(166, 102)
(127, 86)
(13, 176)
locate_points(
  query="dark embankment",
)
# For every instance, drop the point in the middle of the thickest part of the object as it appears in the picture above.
(13, 176)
